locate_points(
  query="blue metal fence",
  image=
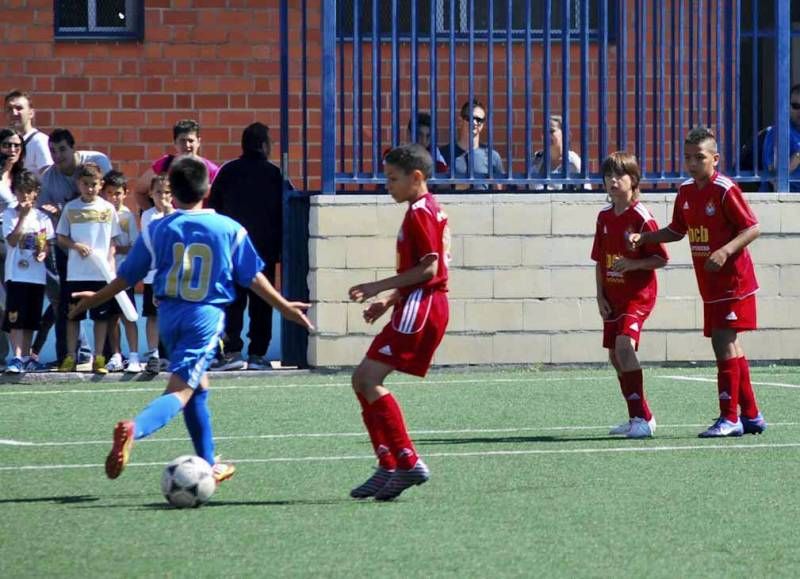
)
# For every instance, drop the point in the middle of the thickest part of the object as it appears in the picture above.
(623, 74)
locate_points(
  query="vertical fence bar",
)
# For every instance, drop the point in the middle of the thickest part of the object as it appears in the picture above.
(509, 91)
(414, 72)
(584, 88)
(548, 15)
(603, 82)
(681, 74)
(328, 96)
(661, 134)
(395, 79)
(452, 73)
(709, 63)
(471, 81)
(565, 78)
(304, 103)
(690, 78)
(783, 71)
(718, 96)
(356, 84)
(673, 89)
(640, 114)
(622, 56)
(342, 124)
(376, 91)
(529, 88)
(754, 115)
(284, 113)
(433, 87)
(736, 75)
(490, 75)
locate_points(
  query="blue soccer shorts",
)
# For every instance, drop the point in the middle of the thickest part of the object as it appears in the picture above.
(190, 332)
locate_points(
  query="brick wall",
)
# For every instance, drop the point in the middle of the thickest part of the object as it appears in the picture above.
(522, 286)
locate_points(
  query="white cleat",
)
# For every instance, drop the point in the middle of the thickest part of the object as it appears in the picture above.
(622, 429)
(641, 428)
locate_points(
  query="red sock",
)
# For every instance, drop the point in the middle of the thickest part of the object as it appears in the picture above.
(376, 435)
(633, 390)
(728, 388)
(747, 397)
(390, 416)
(623, 389)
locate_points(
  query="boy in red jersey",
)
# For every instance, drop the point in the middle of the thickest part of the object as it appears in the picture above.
(418, 296)
(710, 208)
(626, 284)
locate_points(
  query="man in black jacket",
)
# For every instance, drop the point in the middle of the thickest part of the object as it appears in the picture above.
(250, 190)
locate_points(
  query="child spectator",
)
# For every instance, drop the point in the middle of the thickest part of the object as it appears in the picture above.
(626, 284)
(115, 190)
(711, 209)
(418, 294)
(27, 232)
(161, 197)
(88, 225)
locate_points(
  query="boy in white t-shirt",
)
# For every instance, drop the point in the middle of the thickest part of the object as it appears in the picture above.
(115, 190)
(88, 225)
(27, 231)
(162, 206)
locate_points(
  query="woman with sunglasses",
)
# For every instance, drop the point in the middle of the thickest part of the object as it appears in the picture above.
(12, 161)
(556, 132)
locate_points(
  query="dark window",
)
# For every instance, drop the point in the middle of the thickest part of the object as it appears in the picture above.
(99, 19)
(461, 16)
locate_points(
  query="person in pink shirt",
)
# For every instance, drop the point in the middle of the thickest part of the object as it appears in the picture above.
(186, 138)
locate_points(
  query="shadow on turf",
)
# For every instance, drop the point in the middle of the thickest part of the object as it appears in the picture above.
(163, 506)
(520, 439)
(65, 500)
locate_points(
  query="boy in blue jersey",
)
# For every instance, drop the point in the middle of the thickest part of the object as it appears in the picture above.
(198, 256)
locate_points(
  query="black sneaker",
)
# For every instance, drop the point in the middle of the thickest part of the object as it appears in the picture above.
(373, 484)
(403, 479)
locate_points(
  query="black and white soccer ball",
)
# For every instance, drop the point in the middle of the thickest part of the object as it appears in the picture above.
(188, 481)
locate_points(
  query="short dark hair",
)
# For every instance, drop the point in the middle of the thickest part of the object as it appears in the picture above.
(26, 181)
(88, 170)
(115, 178)
(423, 120)
(188, 179)
(623, 163)
(59, 135)
(15, 94)
(185, 126)
(254, 137)
(700, 134)
(411, 158)
(160, 178)
(468, 106)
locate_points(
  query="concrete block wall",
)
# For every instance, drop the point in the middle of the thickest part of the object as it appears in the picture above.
(522, 282)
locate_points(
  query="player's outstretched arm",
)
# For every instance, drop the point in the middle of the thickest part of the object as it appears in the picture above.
(93, 299)
(664, 235)
(652, 262)
(292, 311)
(420, 273)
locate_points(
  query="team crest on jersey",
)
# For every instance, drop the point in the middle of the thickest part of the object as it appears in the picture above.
(710, 209)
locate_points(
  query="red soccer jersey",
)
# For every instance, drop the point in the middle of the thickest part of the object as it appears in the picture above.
(712, 216)
(638, 288)
(424, 231)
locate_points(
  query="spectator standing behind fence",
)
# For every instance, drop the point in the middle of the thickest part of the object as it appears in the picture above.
(59, 186)
(20, 114)
(769, 153)
(538, 169)
(186, 139)
(471, 122)
(250, 190)
(424, 124)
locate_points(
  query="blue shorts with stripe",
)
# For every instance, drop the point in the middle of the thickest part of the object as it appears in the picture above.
(191, 334)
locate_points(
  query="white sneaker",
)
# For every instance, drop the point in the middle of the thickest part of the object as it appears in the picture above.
(134, 364)
(114, 363)
(623, 428)
(641, 428)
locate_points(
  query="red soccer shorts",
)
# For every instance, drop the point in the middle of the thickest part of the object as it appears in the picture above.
(628, 322)
(409, 340)
(739, 315)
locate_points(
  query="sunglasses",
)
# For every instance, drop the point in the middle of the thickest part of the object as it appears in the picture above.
(796, 106)
(477, 120)
(8, 145)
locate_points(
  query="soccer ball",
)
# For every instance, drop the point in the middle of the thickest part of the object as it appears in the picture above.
(188, 481)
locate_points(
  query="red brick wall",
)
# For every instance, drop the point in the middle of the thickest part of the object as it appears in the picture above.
(216, 61)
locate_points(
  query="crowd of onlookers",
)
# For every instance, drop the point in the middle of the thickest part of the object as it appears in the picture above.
(63, 207)
(69, 219)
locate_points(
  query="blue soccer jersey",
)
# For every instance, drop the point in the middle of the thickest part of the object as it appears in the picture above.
(199, 257)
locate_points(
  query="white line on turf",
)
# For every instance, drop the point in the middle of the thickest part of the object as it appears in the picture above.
(713, 379)
(414, 433)
(530, 452)
(528, 379)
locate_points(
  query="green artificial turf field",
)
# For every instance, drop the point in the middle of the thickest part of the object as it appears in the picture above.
(525, 481)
